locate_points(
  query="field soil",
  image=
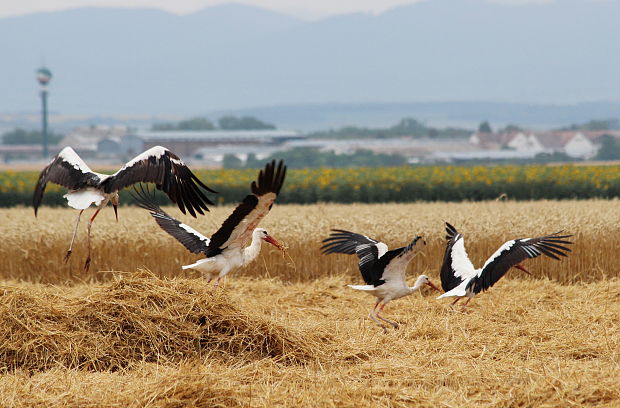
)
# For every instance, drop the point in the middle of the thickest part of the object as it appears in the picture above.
(137, 331)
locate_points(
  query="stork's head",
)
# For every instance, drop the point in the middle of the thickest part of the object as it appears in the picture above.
(264, 235)
(424, 280)
(114, 201)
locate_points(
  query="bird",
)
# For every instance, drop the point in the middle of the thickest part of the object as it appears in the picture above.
(382, 270)
(460, 279)
(227, 248)
(156, 165)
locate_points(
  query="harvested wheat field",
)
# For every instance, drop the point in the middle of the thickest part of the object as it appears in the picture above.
(137, 331)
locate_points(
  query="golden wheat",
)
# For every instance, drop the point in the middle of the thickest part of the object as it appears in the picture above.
(33, 249)
(288, 332)
(523, 344)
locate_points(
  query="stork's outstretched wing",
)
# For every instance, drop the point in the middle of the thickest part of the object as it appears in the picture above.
(160, 166)
(68, 170)
(345, 242)
(368, 251)
(236, 231)
(394, 263)
(193, 240)
(456, 265)
(516, 251)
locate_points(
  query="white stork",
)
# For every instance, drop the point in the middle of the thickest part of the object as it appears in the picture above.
(382, 270)
(227, 250)
(156, 165)
(459, 277)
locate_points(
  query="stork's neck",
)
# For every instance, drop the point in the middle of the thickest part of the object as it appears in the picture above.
(251, 252)
(417, 285)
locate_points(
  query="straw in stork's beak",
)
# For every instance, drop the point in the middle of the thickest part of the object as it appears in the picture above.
(432, 285)
(520, 267)
(273, 242)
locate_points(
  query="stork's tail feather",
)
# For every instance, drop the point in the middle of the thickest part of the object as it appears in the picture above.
(362, 287)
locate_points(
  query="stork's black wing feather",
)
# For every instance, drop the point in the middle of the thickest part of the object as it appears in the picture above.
(368, 255)
(344, 242)
(160, 166)
(191, 239)
(516, 251)
(368, 250)
(66, 169)
(450, 231)
(238, 227)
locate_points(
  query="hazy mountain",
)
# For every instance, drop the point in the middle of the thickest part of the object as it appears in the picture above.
(127, 61)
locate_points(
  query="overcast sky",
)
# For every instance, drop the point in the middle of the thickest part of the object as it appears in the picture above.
(308, 9)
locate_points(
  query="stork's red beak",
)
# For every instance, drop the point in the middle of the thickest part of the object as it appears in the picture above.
(522, 268)
(115, 211)
(432, 285)
(273, 241)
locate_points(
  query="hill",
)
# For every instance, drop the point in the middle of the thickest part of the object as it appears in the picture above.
(120, 61)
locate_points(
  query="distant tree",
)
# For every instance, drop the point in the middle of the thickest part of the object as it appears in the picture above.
(197, 123)
(252, 162)
(231, 161)
(409, 125)
(308, 157)
(485, 127)
(243, 123)
(406, 127)
(610, 148)
(510, 129)
(21, 136)
(162, 127)
(555, 157)
(601, 124)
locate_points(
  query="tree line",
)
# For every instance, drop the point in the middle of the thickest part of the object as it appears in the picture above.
(223, 123)
(310, 157)
(405, 127)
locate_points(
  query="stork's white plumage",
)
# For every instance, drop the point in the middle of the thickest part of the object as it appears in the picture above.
(460, 279)
(156, 165)
(227, 249)
(382, 270)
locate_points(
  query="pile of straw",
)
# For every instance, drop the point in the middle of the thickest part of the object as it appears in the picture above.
(139, 318)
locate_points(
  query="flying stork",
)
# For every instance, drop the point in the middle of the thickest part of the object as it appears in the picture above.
(156, 165)
(227, 250)
(460, 279)
(382, 270)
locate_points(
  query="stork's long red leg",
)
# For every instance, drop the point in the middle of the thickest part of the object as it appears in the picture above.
(90, 223)
(467, 302)
(455, 300)
(394, 324)
(372, 316)
(520, 267)
(73, 239)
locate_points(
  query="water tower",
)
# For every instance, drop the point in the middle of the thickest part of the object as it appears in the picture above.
(44, 76)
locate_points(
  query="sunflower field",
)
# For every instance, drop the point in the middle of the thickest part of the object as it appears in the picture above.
(381, 184)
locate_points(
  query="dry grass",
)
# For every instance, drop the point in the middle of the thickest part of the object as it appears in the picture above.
(135, 319)
(278, 334)
(545, 345)
(33, 249)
